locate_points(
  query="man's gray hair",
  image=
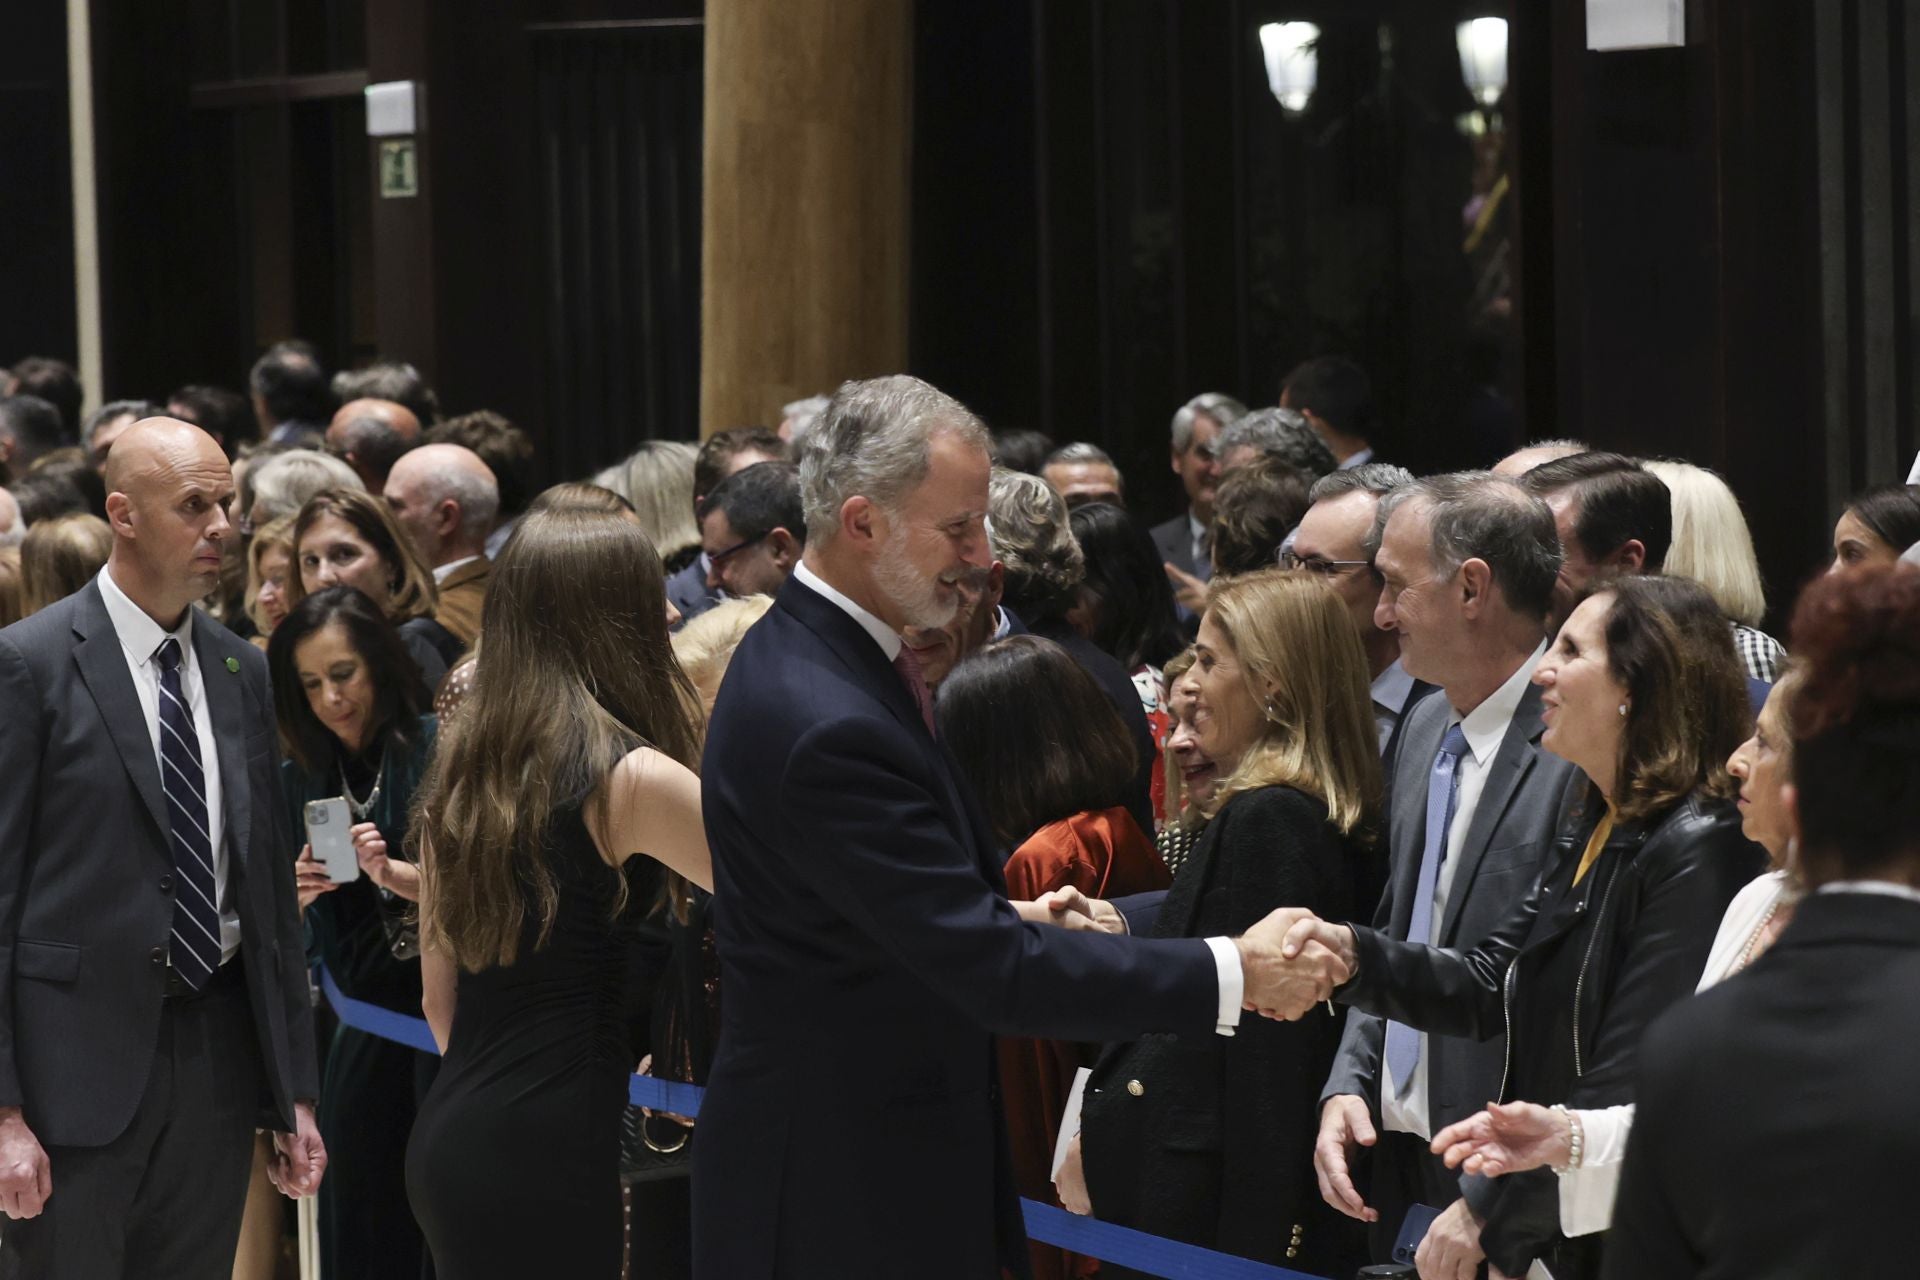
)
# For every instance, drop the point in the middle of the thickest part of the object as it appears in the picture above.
(1032, 535)
(1218, 405)
(283, 483)
(1278, 433)
(476, 491)
(1476, 515)
(804, 415)
(874, 441)
(1380, 478)
(1080, 451)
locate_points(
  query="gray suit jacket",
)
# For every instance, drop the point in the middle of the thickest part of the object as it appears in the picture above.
(1520, 810)
(86, 874)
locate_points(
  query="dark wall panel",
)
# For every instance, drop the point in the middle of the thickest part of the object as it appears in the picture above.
(36, 185)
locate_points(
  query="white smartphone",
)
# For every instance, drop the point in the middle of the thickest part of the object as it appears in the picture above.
(329, 831)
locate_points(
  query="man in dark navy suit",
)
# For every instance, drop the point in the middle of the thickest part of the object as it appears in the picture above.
(869, 954)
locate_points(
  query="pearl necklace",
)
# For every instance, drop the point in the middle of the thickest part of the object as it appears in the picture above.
(1760, 931)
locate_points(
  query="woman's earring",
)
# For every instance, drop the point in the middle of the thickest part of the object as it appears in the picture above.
(1271, 713)
(1623, 708)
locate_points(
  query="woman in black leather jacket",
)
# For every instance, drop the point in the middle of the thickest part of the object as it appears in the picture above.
(1643, 692)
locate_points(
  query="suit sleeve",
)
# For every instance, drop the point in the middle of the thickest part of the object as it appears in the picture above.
(290, 933)
(1435, 989)
(886, 856)
(1356, 1066)
(20, 752)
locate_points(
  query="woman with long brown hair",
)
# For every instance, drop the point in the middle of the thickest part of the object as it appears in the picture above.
(573, 754)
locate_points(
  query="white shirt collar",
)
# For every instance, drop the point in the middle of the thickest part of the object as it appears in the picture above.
(1885, 888)
(1487, 723)
(444, 571)
(883, 635)
(1391, 687)
(139, 634)
(1195, 530)
(1359, 457)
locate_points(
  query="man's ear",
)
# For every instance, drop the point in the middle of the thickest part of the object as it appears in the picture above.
(1179, 457)
(996, 590)
(1629, 557)
(1474, 581)
(785, 547)
(447, 517)
(120, 514)
(862, 521)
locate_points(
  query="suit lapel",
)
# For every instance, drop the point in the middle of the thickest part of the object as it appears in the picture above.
(226, 708)
(1505, 773)
(1407, 819)
(103, 668)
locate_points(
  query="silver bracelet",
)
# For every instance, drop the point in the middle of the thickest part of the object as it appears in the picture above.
(1576, 1139)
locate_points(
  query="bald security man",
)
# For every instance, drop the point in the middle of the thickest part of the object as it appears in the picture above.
(370, 436)
(153, 987)
(446, 499)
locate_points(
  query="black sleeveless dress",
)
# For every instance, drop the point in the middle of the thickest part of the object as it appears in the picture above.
(513, 1169)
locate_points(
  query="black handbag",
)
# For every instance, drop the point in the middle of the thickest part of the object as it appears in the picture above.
(685, 1021)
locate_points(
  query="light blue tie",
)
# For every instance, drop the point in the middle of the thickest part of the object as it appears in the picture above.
(1443, 795)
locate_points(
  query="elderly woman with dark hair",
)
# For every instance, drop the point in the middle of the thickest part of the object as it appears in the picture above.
(1643, 693)
(1033, 538)
(351, 718)
(1003, 712)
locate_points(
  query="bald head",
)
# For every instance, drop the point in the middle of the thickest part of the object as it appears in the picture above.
(168, 489)
(371, 435)
(1521, 461)
(446, 498)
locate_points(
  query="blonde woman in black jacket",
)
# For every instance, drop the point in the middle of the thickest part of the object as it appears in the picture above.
(1642, 691)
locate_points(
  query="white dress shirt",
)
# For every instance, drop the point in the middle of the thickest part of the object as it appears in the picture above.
(1197, 540)
(1390, 690)
(1226, 956)
(1485, 727)
(140, 639)
(442, 572)
(1358, 458)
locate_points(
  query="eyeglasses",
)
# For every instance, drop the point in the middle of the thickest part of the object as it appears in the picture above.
(718, 558)
(1319, 564)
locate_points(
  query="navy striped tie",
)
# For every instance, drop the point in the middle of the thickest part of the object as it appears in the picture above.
(195, 949)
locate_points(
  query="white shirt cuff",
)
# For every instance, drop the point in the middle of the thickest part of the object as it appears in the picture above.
(1233, 983)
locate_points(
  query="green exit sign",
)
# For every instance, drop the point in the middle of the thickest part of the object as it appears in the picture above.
(399, 169)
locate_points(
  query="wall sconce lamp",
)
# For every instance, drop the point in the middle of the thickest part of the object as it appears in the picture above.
(1292, 54)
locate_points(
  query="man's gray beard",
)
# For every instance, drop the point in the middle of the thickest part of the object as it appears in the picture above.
(900, 582)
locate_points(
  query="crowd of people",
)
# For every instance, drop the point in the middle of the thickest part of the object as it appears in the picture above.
(1324, 876)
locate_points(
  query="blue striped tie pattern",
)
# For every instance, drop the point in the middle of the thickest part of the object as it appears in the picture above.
(195, 949)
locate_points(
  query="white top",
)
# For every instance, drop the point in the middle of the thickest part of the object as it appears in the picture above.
(140, 639)
(1226, 956)
(441, 572)
(1390, 690)
(1485, 728)
(1587, 1193)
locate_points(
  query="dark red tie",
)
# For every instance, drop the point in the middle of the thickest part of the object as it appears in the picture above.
(909, 668)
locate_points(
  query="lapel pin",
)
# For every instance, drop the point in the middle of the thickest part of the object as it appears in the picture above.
(233, 665)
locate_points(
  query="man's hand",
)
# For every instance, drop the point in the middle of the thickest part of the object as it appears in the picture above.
(1451, 1249)
(1344, 1124)
(1070, 1184)
(1072, 909)
(1282, 985)
(1510, 1138)
(299, 1158)
(26, 1178)
(402, 879)
(1188, 591)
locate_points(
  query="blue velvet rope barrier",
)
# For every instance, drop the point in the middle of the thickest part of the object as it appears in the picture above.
(1049, 1224)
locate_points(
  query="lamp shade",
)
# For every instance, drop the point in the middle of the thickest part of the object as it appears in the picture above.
(1483, 58)
(1293, 62)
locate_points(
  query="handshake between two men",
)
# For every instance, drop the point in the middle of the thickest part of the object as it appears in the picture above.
(1291, 960)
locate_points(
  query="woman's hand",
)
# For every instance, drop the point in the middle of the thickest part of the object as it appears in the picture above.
(1071, 1182)
(310, 878)
(402, 879)
(1509, 1138)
